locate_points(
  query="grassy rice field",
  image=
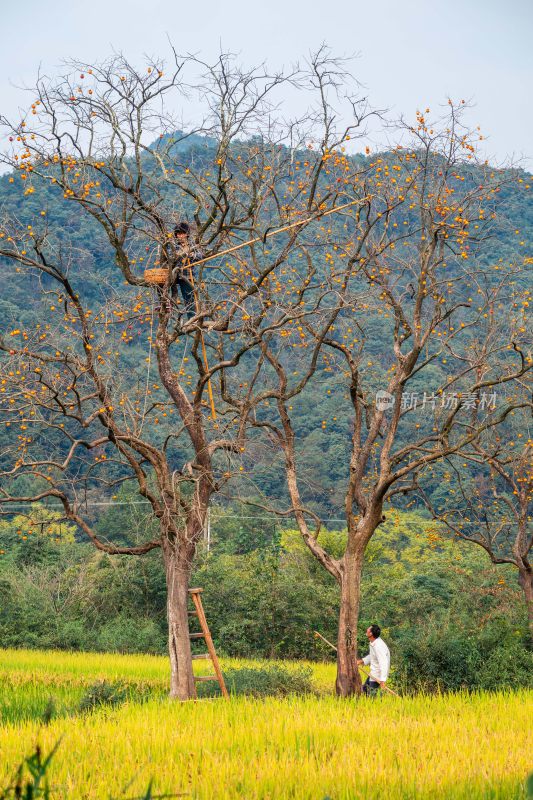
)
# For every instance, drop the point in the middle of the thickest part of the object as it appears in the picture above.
(455, 746)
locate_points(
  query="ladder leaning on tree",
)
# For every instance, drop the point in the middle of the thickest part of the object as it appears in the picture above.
(206, 635)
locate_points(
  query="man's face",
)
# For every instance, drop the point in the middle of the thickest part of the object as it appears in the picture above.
(181, 238)
(369, 635)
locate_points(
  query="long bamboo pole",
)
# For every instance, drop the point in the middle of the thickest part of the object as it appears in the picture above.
(268, 234)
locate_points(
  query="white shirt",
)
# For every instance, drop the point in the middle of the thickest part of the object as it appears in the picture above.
(379, 660)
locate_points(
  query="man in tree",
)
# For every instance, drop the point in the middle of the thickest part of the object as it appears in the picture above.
(178, 256)
(379, 660)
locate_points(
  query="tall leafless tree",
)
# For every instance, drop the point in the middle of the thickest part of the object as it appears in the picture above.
(101, 146)
(409, 268)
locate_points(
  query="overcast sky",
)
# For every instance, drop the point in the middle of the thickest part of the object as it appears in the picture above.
(412, 53)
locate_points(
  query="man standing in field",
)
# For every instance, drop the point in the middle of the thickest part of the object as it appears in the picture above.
(379, 660)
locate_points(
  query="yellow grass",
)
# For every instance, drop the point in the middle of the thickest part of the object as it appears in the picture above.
(45, 664)
(455, 746)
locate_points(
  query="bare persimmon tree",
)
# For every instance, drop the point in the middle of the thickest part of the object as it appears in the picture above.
(106, 376)
(493, 510)
(488, 483)
(418, 334)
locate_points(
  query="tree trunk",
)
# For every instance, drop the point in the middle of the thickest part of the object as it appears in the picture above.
(178, 569)
(348, 679)
(525, 579)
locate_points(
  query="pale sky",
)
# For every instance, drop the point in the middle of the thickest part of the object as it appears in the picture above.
(412, 53)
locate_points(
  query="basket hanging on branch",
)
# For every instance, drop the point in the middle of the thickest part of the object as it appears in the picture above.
(156, 276)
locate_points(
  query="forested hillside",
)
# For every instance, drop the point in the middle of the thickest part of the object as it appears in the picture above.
(323, 434)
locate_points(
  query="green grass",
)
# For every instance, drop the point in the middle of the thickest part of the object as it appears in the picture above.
(456, 746)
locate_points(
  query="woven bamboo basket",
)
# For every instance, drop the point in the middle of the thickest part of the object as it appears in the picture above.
(156, 275)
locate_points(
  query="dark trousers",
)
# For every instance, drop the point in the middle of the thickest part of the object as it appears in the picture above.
(187, 292)
(370, 688)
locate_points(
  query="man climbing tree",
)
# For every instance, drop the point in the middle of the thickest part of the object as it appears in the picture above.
(177, 256)
(102, 384)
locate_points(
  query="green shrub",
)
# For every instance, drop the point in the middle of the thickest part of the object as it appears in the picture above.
(271, 680)
(124, 634)
(437, 660)
(104, 693)
(506, 668)
(492, 657)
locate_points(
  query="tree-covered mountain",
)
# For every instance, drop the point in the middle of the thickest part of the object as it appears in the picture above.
(322, 433)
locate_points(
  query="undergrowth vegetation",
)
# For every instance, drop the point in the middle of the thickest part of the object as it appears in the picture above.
(450, 618)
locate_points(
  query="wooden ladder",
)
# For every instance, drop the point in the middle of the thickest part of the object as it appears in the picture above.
(206, 635)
